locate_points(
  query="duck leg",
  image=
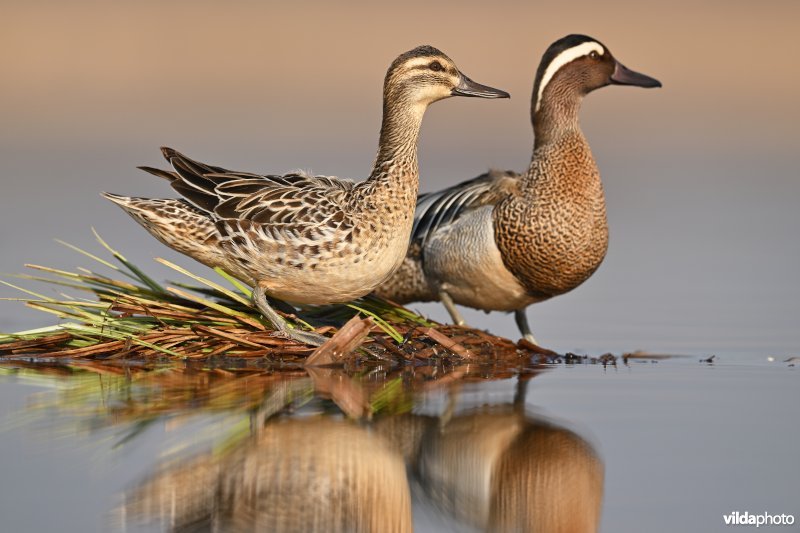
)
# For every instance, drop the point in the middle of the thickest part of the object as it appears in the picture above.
(521, 392)
(448, 303)
(524, 328)
(280, 325)
(453, 395)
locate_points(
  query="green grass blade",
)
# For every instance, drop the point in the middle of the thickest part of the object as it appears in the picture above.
(383, 324)
(208, 303)
(217, 287)
(91, 256)
(108, 334)
(235, 282)
(34, 332)
(40, 306)
(93, 279)
(51, 281)
(144, 278)
(26, 291)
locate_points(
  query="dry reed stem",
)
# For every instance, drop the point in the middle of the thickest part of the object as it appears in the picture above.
(450, 344)
(343, 343)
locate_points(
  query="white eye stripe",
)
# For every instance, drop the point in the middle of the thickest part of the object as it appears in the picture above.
(567, 56)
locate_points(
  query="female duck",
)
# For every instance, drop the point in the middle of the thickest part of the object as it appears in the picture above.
(503, 240)
(309, 239)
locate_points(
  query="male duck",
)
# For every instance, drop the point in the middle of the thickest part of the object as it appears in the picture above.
(503, 240)
(309, 239)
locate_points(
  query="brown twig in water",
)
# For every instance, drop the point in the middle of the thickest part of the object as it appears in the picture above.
(345, 341)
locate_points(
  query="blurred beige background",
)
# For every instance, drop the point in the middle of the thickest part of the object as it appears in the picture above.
(701, 176)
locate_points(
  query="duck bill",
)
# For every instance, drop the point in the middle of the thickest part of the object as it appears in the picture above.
(467, 87)
(625, 76)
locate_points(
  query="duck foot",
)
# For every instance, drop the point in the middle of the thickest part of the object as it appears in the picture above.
(306, 337)
(282, 328)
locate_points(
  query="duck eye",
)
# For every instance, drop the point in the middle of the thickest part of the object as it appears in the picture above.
(594, 55)
(436, 66)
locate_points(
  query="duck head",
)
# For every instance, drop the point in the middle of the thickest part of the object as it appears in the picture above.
(424, 75)
(576, 65)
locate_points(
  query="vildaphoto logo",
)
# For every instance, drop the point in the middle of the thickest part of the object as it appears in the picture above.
(764, 519)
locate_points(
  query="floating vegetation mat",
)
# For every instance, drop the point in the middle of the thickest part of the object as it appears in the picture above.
(130, 316)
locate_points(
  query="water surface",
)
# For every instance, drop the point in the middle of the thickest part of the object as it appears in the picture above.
(651, 444)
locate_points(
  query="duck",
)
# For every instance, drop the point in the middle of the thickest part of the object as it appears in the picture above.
(505, 240)
(301, 238)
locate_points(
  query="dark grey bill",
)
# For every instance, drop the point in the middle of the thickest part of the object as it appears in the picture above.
(467, 87)
(625, 76)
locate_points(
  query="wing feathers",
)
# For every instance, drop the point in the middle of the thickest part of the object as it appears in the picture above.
(437, 209)
(167, 175)
(278, 207)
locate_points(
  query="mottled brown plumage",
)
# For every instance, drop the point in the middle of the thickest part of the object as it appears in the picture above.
(503, 241)
(554, 235)
(309, 239)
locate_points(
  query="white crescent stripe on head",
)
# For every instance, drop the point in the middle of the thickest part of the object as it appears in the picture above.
(567, 56)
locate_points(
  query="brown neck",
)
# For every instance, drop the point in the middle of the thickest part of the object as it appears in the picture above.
(556, 115)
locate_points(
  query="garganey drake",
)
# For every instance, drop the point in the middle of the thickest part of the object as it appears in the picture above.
(309, 239)
(503, 240)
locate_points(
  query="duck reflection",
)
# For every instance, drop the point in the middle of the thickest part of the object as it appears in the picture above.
(304, 475)
(498, 468)
(494, 468)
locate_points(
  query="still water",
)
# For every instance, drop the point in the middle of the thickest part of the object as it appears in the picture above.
(651, 444)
